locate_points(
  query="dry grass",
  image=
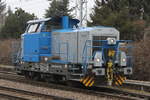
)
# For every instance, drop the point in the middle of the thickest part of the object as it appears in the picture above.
(142, 60)
(5, 51)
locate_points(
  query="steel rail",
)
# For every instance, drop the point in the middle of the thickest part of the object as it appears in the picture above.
(97, 91)
(138, 85)
(10, 97)
(22, 93)
(124, 92)
(114, 91)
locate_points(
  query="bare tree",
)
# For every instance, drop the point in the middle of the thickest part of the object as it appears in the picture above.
(2, 12)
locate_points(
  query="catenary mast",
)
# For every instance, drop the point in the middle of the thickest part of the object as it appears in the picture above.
(81, 9)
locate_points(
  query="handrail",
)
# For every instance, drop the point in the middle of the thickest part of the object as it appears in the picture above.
(85, 57)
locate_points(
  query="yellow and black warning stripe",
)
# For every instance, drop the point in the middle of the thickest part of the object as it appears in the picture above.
(87, 81)
(119, 80)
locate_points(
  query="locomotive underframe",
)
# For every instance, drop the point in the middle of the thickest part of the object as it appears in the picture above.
(53, 72)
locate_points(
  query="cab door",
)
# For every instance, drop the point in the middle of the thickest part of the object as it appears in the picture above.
(30, 43)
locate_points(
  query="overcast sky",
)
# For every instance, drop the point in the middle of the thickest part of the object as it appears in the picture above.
(37, 7)
(32, 6)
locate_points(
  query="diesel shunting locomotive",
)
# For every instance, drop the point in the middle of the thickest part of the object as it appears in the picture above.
(56, 49)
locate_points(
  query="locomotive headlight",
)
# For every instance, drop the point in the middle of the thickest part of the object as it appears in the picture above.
(124, 60)
(111, 41)
(46, 59)
(98, 60)
(66, 66)
(22, 62)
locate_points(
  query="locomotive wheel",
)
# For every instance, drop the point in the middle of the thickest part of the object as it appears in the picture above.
(36, 76)
(27, 75)
(74, 84)
(33, 76)
(48, 80)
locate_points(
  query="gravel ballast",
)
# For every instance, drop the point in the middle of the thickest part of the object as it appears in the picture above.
(50, 91)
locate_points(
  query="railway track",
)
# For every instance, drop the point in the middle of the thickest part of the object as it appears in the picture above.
(138, 85)
(27, 95)
(126, 93)
(9, 97)
(114, 92)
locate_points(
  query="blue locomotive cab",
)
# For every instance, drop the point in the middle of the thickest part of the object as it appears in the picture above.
(36, 41)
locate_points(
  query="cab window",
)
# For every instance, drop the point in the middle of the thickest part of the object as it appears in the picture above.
(51, 25)
(33, 28)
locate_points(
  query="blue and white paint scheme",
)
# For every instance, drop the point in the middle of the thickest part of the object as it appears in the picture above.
(56, 48)
(36, 41)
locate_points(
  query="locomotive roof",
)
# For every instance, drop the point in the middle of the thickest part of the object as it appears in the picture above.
(103, 30)
(39, 20)
(88, 29)
(54, 19)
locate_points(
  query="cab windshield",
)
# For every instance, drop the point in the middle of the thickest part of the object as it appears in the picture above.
(33, 28)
